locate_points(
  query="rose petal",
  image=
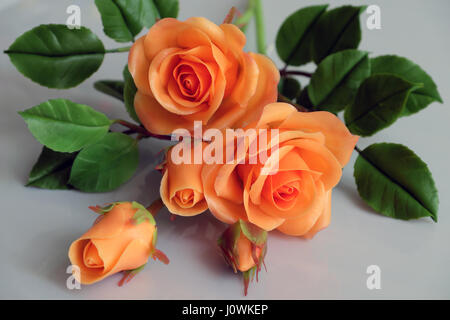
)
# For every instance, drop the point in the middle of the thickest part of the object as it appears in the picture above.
(338, 138)
(266, 89)
(323, 221)
(138, 65)
(155, 118)
(301, 225)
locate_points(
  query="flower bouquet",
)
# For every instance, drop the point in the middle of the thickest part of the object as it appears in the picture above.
(246, 142)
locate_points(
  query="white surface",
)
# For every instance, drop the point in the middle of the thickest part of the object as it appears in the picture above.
(38, 226)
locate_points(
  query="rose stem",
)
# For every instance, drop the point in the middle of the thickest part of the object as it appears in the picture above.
(285, 73)
(243, 20)
(142, 131)
(122, 49)
(155, 206)
(260, 32)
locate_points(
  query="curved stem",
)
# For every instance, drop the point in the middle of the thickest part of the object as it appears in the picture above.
(244, 19)
(122, 49)
(155, 206)
(141, 130)
(260, 32)
(284, 73)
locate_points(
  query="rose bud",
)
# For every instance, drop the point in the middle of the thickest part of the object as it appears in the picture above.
(244, 245)
(181, 186)
(121, 239)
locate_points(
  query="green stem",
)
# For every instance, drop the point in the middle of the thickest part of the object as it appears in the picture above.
(123, 49)
(243, 21)
(260, 32)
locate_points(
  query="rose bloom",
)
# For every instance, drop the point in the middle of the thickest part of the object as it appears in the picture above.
(296, 200)
(197, 70)
(181, 186)
(114, 243)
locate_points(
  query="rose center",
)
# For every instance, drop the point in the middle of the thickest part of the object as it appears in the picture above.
(286, 193)
(91, 257)
(185, 196)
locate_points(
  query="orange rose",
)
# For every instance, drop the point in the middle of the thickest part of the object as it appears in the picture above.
(196, 70)
(119, 240)
(313, 148)
(181, 187)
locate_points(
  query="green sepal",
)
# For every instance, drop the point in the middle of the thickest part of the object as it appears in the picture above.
(256, 235)
(105, 209)
(142, 214)
(130, 274)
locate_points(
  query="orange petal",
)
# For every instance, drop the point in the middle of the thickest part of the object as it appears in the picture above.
(301, 225)
(319, 159)
(255, 214)
(266, 89)
(224, 210)
(323, 221)
(338, 138)
(213, 31)
(138, 65)
(162, 35)
(155, 118)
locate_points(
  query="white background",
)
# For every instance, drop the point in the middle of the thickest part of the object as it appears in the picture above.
(37, 226)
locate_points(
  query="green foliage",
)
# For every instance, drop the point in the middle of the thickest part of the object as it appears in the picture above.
(65, 126)
(294, 37)
(289, 87)
(408, 70)
(55, 56)
(52, 170)
(337, 78)
(336, 30)
(124, 19)
(112, 88)
(378, 103)
(395, 182)
(105, 165)
(129, 91)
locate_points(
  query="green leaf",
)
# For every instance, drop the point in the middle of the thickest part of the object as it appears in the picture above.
(167, 8)
(56, 56)
(336, 30)
(303, 99)
(106, 165)
(337, 78)
(112, 88)
(52, 170)
(378, 103)
(408, 70)
(118, 23)
(142, 13)
(129, 91)
(289, 87)
(395, 182)
(294, 37)
(124, 19)
(253, 233)
(65, 126)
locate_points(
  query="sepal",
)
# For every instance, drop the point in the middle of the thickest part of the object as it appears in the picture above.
(236, 253)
